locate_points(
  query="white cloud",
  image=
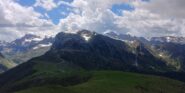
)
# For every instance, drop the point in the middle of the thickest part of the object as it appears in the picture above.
(63, 3)
(16, 20)
(103, 4)
(46, 4)
(144, 23)
(167, 8)
(154, 18)
(94, 15)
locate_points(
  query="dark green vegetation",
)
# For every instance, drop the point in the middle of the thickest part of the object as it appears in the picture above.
(39, 73)
(116, 82)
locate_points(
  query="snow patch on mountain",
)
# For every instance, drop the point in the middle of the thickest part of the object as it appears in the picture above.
(111, 32)
(169, 39)
(42, 45)
(34, 40)
(86, 37)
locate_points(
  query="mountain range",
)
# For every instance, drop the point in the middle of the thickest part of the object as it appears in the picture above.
(22, 49)
(169, 49)
(85, 58)
(26, 47)
(168, 39)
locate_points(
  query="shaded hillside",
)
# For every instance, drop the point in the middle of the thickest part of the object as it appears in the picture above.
(173, 51)
(102, 52)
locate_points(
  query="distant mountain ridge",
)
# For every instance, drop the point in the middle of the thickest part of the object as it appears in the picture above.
(25, 48)
(168, 48)
(125, 37)
(168, 39)
(27, 42)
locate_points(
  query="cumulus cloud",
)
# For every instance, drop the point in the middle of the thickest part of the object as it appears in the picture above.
(148, 19)
(46, 4)
(167, 8)
(156, 18)
(18, 20)
(94, 15)
(99, 22)
(144, 23)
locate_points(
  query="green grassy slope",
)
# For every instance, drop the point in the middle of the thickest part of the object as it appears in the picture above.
(39, 73)
(116, 82)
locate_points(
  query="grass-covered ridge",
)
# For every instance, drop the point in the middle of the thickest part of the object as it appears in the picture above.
(116, 82)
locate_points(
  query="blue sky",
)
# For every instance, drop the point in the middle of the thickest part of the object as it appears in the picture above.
(55, 14)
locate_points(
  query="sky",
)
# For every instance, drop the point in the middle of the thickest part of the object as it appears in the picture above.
(146, 18)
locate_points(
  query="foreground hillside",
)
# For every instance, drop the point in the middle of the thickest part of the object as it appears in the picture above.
(116, 82)
(40, 73)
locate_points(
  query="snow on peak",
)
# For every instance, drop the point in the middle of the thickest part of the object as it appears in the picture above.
(42, 46)
(33, 39)
(168, 39)
(86, 34)
(110, 32)
(86, 37)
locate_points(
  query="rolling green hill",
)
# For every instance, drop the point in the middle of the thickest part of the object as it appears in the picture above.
(116, 82)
